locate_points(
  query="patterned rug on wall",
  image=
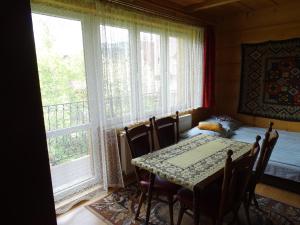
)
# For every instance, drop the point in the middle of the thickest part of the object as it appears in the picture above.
(270, 80)
(118, 209)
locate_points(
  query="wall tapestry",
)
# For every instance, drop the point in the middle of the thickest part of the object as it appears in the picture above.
(270, 80)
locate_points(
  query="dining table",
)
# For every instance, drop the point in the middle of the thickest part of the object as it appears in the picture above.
(192, 163)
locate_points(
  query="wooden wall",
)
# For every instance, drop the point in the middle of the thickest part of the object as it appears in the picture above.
(278, 23)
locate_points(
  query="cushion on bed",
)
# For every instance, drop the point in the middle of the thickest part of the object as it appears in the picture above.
(228, 122)
(228, 125)
(213, 126)
(196, 131)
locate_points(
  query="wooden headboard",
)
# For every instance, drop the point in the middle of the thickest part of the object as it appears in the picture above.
(200, 114)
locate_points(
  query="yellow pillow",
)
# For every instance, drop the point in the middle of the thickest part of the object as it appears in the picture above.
(213, 126)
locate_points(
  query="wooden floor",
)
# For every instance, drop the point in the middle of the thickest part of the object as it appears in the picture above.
(280, 195)
(80, 215)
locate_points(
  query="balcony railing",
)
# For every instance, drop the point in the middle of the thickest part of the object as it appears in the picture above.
(75, 144)
(65, 115)
(72, 145)
(68, 147)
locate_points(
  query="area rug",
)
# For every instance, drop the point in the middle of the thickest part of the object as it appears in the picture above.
(118, 209)
(270, 80)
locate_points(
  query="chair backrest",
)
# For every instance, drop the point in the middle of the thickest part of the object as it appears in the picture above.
(139, 143)
(236, 178)
(167, 130)
(271, 137)
(139, 140)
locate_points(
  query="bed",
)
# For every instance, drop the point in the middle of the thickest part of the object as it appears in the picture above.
(283, 169)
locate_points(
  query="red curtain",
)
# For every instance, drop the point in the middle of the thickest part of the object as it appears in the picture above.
(209, 67)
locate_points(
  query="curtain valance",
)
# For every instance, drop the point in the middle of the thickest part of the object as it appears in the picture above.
(117, 14)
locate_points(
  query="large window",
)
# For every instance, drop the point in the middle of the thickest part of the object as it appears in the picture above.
(148, 72)
(61, 64)
(104, 71)
(116, 71)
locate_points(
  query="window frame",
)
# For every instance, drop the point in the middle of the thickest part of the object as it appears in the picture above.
(134, 34)
(92, 126)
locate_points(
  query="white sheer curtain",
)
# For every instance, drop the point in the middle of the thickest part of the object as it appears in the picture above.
(148, 67)
(142, 65)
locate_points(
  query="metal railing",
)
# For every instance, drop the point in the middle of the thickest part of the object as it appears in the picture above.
(70, 146)
(65, 115)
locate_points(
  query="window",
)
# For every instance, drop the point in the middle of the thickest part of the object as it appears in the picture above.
(174, 70)
(61, 64)
(104, 71)
(151, 74)
(148, 72)
(116, 71)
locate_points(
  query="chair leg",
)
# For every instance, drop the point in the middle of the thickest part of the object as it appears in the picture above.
(246, 208)
(235, 216)
(150, 192)
(251, 197)
(170, 200)
(180, 215)
(255, 201)
(141, 200)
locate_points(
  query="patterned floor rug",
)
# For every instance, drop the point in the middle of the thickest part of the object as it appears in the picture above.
(118, 209)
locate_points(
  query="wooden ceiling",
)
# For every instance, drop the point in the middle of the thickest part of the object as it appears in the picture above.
(216, 9)
(209, 11)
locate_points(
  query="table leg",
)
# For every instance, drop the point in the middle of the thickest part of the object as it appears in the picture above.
(196, 206)
(152, 178)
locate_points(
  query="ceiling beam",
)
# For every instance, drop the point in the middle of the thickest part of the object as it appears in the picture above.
(209, 4)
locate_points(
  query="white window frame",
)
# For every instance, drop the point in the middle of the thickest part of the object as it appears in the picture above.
(134, 34)
(90, 75)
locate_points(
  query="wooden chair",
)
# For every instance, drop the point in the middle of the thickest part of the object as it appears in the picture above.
(167, 130)
(215, 201)
(271, 137)
(140, 140)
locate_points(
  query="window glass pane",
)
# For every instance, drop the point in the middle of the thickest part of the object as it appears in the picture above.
(65, 115)
(150, 73)
(67, 147)
(70, 159)
(144, 77)
(178, 74)
(173, 71)
(61, 71)
(60, 58)
(116, 71)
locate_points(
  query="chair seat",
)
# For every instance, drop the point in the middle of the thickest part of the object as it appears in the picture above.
(160, 185)
(209, 199)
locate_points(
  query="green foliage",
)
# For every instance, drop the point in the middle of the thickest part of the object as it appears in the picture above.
(62, 77)
(67, 148)
(62, 80)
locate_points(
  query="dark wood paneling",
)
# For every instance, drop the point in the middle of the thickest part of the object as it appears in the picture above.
(277, 23)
